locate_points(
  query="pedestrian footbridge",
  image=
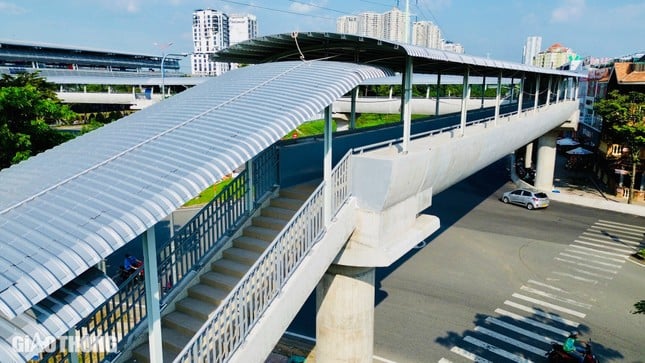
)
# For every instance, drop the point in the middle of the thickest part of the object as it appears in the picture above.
(300, 215)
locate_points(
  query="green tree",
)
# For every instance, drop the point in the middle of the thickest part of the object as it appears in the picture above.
(623, 118)
(28, 106)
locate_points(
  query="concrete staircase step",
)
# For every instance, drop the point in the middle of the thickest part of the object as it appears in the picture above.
(269, 222)
(251, 244)
(229, 267)
(277, 212)
(182, 322)
(208, 293)
(196, 307)
(241, 255)
(261, 233)
(287, 203)
(141, 354)
(219, 280)
(298, 193)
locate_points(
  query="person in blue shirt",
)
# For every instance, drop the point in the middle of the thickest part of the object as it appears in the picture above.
(131, 263)
(572, 349)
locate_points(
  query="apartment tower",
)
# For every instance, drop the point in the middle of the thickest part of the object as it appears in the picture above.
(210, 34)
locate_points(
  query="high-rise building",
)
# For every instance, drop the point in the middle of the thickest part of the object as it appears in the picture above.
(426, 34)
(531, 49)
(210, 34)
(394, 25)
(347, 24)
(370, 24)
(242, 27)
(555, 56)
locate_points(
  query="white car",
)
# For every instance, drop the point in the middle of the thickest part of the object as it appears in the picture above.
(531, 199)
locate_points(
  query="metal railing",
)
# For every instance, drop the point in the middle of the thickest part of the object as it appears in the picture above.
(191, 246)
(227, 329)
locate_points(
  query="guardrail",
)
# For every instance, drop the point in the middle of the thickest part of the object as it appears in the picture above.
(226, 330)
(186, 251)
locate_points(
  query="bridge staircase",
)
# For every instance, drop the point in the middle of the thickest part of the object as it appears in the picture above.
(214, 285)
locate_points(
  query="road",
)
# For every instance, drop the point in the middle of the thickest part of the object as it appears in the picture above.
(498, 282)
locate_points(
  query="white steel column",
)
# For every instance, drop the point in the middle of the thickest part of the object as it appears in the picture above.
(327, 166)
(436, 106)
(545, 161)
(152, 295)
(406, 112)
(537, 92)
(498, 97)
(483, 90)
(520, 96)
(548, 91)
(352, 115)
(464, 102)
(345, 315)
(557, 91)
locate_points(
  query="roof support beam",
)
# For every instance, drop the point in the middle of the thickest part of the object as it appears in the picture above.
(548, 91)
(152, 295)
(436, 106)
(327, 178)
(520, 96)
(498, 97)
(465, 95)
(406, 111)
(537, 92)
(352, 115)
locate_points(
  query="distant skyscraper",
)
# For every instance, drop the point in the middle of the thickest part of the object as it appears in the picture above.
(531, 49)
(347, 24)
(426, 34)
(242, 27)
(210, 34)
(370, 24)
(394, 25)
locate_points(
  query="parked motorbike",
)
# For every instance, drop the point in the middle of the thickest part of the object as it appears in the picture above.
(558, 355)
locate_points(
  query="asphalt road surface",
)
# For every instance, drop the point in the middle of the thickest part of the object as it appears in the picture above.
(498, 282)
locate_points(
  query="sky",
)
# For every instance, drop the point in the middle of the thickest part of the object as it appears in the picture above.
(495, 29)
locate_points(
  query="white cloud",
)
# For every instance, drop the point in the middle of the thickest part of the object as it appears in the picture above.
(11, 9)
(305, 8)
(570, 10)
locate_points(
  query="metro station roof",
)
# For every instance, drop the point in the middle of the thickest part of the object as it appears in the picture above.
(64, 210)
(366, 50)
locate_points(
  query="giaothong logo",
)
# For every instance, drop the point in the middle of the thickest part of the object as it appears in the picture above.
(49, 343)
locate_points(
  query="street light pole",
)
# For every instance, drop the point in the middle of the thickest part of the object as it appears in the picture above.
(163, 71)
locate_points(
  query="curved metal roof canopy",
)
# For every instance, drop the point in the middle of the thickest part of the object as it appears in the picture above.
(64, 210)
(366, 50)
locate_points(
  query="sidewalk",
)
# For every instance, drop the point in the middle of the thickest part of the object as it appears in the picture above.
(579, 187)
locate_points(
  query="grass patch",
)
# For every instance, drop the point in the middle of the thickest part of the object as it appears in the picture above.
(209, 193)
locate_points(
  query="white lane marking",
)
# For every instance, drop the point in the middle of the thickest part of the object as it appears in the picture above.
(444, 360)
(555, 297)
(617, 249)
(631, 226)
(617, 232)
(615, 239)
(528, 333)
(579, 278)
(586, 265)
(609, 241)
(468, 355)
(511, 341)
(496, 350)
(549, 305)
(592, 261)
(589, 273)
(597, 256)
(530, 321)
(382, 359)
(597, 251)
(543, 314)
(548, 286)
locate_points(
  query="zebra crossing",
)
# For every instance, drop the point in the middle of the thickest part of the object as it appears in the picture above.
(541, 312)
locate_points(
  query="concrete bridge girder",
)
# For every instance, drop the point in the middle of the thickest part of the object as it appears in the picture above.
(388, 222)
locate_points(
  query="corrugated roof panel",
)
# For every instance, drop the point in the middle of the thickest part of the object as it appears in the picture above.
(56, 314)
(99, 191)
